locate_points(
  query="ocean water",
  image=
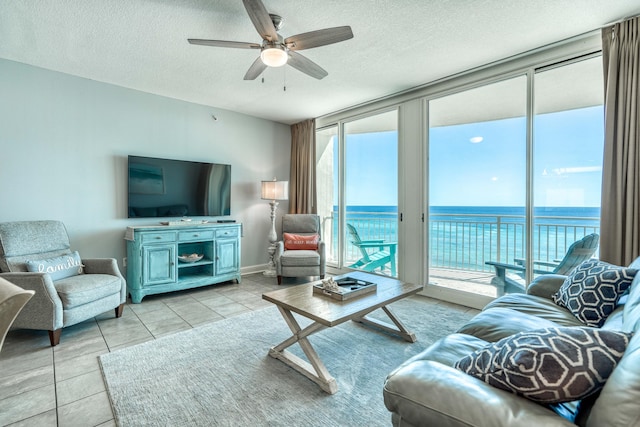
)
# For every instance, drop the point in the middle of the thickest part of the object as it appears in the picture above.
(386, 211)
(465, 237)
(513, 214)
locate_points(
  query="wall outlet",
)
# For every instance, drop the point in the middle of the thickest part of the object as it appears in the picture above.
(124, 261)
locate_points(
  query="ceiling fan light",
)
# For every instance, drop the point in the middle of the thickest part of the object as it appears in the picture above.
(274, 56)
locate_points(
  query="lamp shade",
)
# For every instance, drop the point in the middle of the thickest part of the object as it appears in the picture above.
(275, 190)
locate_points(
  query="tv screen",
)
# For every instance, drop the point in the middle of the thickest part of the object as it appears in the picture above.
(178, 188)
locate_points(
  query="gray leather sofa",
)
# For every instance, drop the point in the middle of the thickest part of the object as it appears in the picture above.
(427, 390)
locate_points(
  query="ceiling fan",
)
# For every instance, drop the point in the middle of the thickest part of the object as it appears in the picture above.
(276, 51)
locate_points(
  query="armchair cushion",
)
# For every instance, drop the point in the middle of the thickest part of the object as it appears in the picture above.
(300, 258)
(301, 223)
(58, 267)
(24, 241)
(78, 290)
(300, 242)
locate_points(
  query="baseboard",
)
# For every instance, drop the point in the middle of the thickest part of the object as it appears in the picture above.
(457, 297)
(259, 268)
(252, 269)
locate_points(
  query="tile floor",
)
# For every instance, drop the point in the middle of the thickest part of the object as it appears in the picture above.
(42, 385)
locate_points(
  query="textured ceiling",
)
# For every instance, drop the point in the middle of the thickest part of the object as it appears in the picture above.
(397, 45)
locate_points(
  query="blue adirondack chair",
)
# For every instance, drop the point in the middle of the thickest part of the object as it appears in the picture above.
(579, 251)
(375, 254)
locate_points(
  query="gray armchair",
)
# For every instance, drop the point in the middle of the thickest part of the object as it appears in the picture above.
(300, 262)
(36, 255)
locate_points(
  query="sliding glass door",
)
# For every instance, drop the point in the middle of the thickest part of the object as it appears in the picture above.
(568, 150)
(371, 193)
(358, 203)
(477, 186)
(327, 180)
(514, 192)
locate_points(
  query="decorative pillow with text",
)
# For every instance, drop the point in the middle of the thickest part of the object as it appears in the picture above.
(592, 290)
(298, 242)
(551, 365)
(59, 267)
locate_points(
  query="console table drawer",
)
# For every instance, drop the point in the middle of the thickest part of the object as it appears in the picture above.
(158, 237)
(195, 235)
(232, 232)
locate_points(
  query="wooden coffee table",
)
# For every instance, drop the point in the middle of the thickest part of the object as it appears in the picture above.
(327, 312)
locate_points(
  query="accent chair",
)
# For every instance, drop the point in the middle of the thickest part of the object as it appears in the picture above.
(579, 251)
(375, 254)
(36, 255)
(301, 252)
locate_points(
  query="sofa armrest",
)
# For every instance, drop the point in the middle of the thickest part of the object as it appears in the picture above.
(426, 392)
(545, 285)
(44, 310)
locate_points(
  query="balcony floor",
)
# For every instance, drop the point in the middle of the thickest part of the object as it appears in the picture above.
(478, 282)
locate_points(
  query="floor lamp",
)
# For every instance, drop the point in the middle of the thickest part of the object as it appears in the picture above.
(273, 190)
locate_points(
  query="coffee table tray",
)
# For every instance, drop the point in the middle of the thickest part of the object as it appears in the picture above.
(349, 288)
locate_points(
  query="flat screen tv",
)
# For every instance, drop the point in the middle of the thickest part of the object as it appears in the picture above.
(177, 188)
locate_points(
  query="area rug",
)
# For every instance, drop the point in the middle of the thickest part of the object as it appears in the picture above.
(219, 374)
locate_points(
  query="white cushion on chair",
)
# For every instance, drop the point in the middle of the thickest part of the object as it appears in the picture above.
(78, 290)
(300, 258)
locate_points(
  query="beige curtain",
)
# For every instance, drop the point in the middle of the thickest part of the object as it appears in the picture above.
(620, 219)
(302, 178)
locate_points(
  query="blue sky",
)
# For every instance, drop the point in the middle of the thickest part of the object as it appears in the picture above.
(372, 169)
(567, 165)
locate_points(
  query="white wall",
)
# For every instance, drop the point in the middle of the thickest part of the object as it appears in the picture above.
(64, 143)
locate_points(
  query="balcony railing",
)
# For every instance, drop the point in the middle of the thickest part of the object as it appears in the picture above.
(370, 225)
(467, 241)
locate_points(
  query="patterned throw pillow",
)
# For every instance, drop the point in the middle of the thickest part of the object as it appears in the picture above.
(592, 290)
(59, 267)
(551, 365)
(297, 241)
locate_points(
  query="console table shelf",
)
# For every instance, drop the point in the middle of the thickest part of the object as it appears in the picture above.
(153, 266)
(195, 264)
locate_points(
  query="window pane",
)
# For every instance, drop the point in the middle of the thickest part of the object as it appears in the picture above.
(568, 150)
(327, 168)
(371, 193)
(477, 185)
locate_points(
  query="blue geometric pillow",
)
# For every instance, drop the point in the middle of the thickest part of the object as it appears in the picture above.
(59, 267)
(592, 290)
(551, 365)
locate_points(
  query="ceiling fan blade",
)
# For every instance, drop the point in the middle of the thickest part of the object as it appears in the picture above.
(318, 38)
(225, 43)
(261, 19)
(255, 70)
(306, 65)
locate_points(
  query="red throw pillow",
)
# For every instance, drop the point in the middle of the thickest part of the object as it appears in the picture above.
(296, 241)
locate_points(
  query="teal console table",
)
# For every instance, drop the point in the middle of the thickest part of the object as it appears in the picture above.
(154, 252)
